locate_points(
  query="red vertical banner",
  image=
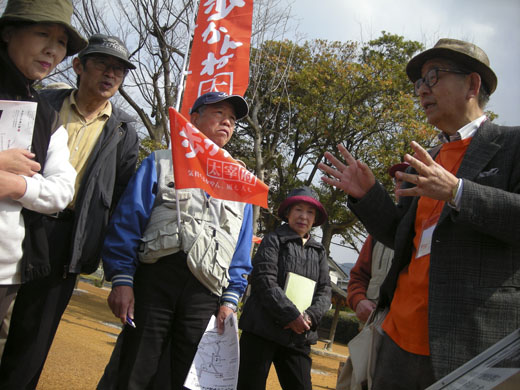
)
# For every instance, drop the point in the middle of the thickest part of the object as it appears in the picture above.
(220, 53)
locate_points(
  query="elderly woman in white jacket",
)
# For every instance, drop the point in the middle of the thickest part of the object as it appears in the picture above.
(35, 37)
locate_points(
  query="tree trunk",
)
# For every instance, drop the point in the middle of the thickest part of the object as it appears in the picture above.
(327, 231)
(333, 326)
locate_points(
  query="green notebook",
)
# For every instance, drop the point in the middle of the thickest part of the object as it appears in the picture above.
(299, 290)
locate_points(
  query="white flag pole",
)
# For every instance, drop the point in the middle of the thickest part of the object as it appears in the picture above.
(184, 73)
(180, 90)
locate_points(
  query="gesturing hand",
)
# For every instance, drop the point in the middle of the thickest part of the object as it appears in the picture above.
(355, 178)
(431, 180)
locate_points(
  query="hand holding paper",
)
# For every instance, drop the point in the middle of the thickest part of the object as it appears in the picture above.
(215, 365)
(19, 162)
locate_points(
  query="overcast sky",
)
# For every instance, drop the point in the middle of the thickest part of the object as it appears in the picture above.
(492, 25)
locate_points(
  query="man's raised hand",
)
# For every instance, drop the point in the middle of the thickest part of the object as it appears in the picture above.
(355, 178)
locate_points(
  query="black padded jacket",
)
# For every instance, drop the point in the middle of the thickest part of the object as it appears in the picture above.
(267, 310)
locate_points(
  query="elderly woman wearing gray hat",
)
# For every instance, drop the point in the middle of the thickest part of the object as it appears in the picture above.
(35, 37)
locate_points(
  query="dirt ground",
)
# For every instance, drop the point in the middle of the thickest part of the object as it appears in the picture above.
(87, 334)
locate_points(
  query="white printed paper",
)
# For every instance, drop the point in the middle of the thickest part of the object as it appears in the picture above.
(215, 366)
(16, 124)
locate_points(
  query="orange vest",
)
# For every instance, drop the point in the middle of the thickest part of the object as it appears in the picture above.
(407, 320)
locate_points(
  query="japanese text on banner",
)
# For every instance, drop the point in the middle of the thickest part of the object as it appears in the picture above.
(199, 163)
(220, 54)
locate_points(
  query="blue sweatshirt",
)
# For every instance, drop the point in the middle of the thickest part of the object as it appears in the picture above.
(129, 222)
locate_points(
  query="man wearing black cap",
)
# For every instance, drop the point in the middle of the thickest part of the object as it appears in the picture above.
(103, 148)
(176, 275)
(454, 285)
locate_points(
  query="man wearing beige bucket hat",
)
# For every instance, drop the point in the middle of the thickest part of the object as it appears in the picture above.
(454, 286)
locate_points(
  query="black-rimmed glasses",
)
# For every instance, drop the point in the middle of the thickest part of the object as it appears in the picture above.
(432, 76)
(104, 64)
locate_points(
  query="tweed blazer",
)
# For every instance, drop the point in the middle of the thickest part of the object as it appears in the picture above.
(474, 281)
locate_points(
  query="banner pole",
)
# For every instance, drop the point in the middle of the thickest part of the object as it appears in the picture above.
(180, 87)
(180, 90)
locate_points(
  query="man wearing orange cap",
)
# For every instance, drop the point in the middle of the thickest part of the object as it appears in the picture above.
(454, 286)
